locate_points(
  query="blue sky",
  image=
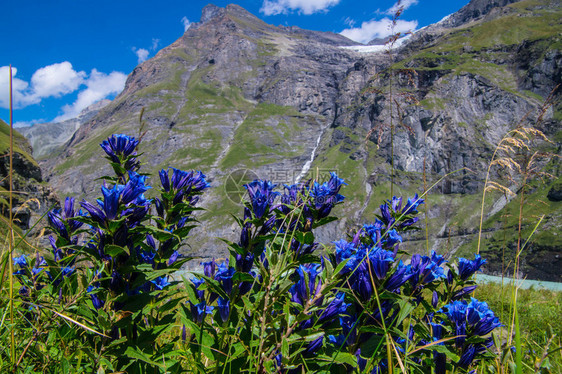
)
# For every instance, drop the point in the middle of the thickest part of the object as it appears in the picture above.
(67, 54)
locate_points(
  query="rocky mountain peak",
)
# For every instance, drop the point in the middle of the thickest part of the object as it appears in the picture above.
(210, 11)
(232, 12)
(474, 10)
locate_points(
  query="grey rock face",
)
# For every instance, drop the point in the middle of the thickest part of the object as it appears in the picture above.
(31, 198)
(46, 138)
(475, 10)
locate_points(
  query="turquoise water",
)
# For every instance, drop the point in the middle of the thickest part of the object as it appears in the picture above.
(482, 278)
(524, 283)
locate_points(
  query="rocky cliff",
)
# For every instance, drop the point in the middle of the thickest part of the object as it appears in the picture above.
(32, 197)
(236, 97)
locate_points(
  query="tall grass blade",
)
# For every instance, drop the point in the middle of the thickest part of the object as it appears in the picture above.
(11, 231)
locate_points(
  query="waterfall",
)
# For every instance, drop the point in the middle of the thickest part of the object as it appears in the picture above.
(306, 166)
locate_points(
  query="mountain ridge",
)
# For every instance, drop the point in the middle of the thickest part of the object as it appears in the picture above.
(235, 93)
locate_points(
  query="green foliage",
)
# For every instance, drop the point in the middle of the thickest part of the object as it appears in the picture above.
(267, 133)
(21, 145)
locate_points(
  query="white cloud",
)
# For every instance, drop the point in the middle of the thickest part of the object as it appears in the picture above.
(56, 80)
(155, 44)
(349, 22)
(18, 87)
(142, 54)
(50, 81)
(28, 123)
(378, 29)
(272, 7)
(186, 23)
(98, 86)
(404, 4)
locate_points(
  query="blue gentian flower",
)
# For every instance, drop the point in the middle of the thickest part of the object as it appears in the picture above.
(468, 267)
(21, 261)
(314, 346)
(374, 230)
(244, 263)
(391, 239)
(400, 276)
(392, 209)
(325, 196)
(160, 283)
(439, 359)
(463, 292)
(224, 308)
(344, 251)
(291, 196)
(481, 318)
(150, 241)
(24, 292)
(116, 283)
(361, 281)
(336, 308)
(467, 357)
(164, 180)
(338, 340)
(147, 257)
(110, 202)
(468, 319)
(194, 181)
(197, 282)
(261, 196)
(412, 205)
(245, 287)
(209, 268)
(67, 271)
(245, 236)
(198, 311)
(98, 303)
(173, 258)
(450, 278)
(434, 299)
(425, 269)
(134, 189)
(55, 220)
(119, 145)
(96, 213)
(159, 207)
(381, 261)
(224, 277)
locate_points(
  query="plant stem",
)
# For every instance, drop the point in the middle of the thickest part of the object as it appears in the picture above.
(11, 230)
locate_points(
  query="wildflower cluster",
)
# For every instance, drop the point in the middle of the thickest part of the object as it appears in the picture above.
(292, 308)
(281, 301)
(112, 259)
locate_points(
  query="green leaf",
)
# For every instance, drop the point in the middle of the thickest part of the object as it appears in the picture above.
(189, 289)
(405, 310)
(443, 349)
(134, 352)
(64, 365)
(306, 335)
(342, 358)
(304, 237)
(115, 250)
(285, 348)
(340, 266)
(324, 221)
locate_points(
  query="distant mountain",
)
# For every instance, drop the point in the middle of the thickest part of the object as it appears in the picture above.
(46, 138)
(234, 93)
